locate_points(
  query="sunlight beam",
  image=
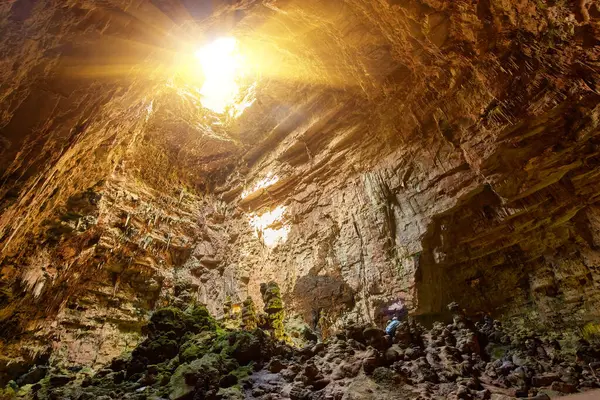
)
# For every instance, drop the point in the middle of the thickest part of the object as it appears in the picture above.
(222, 68)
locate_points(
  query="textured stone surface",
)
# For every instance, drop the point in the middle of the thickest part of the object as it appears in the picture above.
(425, 151)
(188, 355)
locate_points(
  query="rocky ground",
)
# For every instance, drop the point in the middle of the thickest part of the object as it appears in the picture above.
(423, 150)
(189, 355)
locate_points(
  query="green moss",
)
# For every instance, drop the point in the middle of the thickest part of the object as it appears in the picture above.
(243, 373)
(185, 354)
(163, 378)
(231, 393)
(272, 297)
(276, 322)
(165, 320)
(164, 345)
(275, 304)
(249, 320)
(181, 382)
(202, 372)
(591, 332)
(196, 346)
(197, 319)
(192, 352)
(497, 351)
(274, 309)
(25, 391)
(7, 394)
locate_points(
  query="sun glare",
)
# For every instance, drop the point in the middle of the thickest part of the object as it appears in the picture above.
(222, 68)
(270, 227)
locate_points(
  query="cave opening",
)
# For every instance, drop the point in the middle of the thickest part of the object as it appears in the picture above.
(224, 70)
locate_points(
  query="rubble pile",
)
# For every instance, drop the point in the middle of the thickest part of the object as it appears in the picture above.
(189, 355)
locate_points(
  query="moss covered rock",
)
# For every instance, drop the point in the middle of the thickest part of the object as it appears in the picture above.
(196, 346)
(274, 310)
(249, 319)
(202, 375)
(194, 319)
(186, 355)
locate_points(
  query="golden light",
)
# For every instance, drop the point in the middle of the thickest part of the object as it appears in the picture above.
(222, 66)
(264, 183)
(270, 227)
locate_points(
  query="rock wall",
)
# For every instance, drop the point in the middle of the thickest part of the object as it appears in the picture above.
(89, 247)
(465, 171)
(415, 151)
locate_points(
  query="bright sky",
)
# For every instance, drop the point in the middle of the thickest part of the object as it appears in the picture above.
(222, 68)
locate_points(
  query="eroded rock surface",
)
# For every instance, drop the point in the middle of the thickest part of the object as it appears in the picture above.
(187, 355)
(419, 151)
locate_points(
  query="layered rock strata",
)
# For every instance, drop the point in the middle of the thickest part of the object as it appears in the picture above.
(416, 152)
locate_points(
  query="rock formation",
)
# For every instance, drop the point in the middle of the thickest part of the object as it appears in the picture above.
(274, 309)
(249, 318)
(187, 355)
(419, 151)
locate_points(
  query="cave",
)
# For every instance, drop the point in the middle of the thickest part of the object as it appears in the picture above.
(172, 168)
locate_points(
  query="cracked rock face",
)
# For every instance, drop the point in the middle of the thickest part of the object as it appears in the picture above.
(418, 151)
